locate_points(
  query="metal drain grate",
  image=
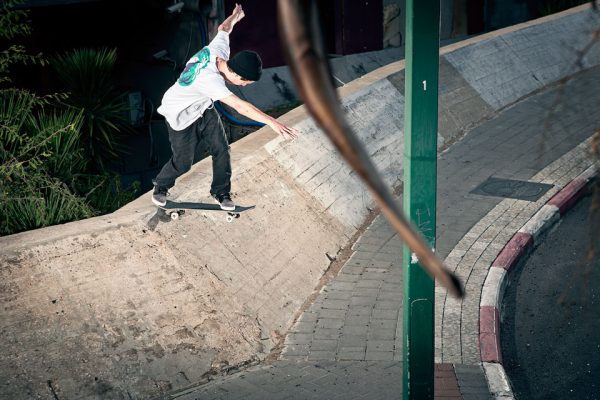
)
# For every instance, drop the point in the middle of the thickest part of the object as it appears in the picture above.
(510, 188)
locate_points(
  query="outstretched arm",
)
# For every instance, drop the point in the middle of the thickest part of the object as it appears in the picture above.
(250, 111)
(233, 19)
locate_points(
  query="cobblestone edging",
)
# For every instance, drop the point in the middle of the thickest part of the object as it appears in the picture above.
(467, 330)
(519, 245)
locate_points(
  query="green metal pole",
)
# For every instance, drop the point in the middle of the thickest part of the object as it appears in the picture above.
(420, 164)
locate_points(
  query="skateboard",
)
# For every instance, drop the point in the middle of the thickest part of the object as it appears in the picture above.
(175, 209)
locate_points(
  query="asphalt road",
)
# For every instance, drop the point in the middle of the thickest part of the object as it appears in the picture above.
(550, 331)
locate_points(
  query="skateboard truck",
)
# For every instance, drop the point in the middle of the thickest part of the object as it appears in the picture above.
(231, 216)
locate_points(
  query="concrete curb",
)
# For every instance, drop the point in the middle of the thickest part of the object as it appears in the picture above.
(517, 248)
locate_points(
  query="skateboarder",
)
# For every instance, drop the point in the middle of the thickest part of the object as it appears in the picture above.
(188, 109)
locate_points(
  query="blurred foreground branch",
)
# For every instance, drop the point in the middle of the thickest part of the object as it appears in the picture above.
(299, 27)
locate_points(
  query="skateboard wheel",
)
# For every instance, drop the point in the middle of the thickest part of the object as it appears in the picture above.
(174, 215)
(230, 218)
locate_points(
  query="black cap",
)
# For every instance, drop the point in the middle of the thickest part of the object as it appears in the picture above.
(246, 64)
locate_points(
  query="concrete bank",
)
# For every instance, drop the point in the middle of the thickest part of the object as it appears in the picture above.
(129, 305)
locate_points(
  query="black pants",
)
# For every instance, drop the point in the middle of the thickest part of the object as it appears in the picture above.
(183, 147)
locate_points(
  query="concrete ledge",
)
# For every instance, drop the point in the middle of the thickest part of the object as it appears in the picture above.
(510, 63)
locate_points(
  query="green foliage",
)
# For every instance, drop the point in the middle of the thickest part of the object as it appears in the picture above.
(34, 145)
(42, 167)
(57, 134)
(87, 75)
(105, 193)
(12, 26)
(39, 201)
(49, 153)
(11, 20)
(30, 135)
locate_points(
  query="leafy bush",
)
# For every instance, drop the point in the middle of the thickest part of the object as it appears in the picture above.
(11, 27)
(46, 176)
(43, 178)
(38, 153)
(105, 193)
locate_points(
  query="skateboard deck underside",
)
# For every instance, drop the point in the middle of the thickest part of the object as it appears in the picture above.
(177, 209)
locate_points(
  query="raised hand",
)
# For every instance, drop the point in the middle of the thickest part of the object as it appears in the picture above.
(236, 15)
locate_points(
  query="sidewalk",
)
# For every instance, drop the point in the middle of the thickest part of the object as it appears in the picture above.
(347, 344)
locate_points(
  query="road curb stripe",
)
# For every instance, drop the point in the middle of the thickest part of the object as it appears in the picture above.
(493, 288)
(514, 249)
(541, 221)
(498, 381)
(566, 198)
(495, 282)
(489, 338)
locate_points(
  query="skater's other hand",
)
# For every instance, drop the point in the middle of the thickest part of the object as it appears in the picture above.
(234, 18)
(285, 131)
(237, 14)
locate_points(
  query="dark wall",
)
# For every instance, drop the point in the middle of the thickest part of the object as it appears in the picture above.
(141, 28)
(358, 26)
(135, 30)
(489, 15)
(257, 31)
(348, 26)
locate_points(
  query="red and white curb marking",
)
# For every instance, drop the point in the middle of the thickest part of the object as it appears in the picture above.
(493, 288)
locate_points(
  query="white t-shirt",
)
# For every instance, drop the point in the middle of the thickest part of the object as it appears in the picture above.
(198, 86)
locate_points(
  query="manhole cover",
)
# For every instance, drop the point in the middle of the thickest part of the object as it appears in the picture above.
(513, 189)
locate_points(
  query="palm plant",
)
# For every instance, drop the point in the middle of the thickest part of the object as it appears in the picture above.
(87, 75)
(58, 137)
